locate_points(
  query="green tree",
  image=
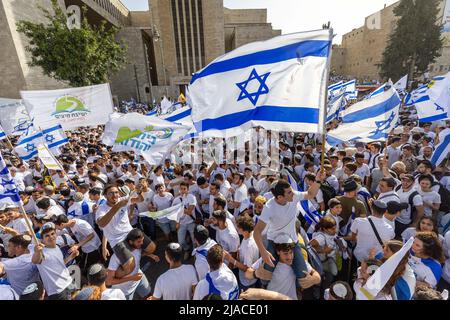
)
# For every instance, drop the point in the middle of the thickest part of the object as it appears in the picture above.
(416, 41)
(81, 57)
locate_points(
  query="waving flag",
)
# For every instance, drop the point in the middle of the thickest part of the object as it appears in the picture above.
(279, 84)
(401, 84)
(428, 110)
(27, 146)
(151, 137)
(335, 106)
(441, 152)
(14, 116)
(334, 88)
(55, 137)
(8, 188)
(378, 280)
(368, 120)
(173, 213)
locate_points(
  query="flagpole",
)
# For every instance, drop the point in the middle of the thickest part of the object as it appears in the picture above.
(324, 132)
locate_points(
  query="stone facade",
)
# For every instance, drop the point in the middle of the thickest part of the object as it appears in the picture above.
(166, 44)
(360, 54)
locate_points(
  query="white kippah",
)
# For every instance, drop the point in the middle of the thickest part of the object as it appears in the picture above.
(340, 290)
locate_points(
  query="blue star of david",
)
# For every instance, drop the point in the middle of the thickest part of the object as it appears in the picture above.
(382, 126)
(49, 138)
(30, 147)
(439, 108)
(263, 88)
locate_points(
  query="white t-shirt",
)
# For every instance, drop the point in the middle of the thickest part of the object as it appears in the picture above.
(82, 230)
(53, 271)
(119, 226)
(204, 194)
(248, 255)
(148, 198)
(187, 200)
(20, 272)
(162, 203)
(432, 197)
(363, 171)
(130, 286)
(281, 219)
(405, 215)
(283, 279)
(240, 195)
(156, 180)
(366, 239)
(228, 238)
(113, 294)
(224, 188)
(176, 284)
(223, 280)
(19, 225)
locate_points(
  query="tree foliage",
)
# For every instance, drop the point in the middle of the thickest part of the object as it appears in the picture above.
(81, 57)
(416, 41)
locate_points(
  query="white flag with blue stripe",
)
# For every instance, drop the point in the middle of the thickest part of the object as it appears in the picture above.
(279, 84)
(428, 110)
(368, 120)
(55, 137)
(2, 134)
(439, 92)
(348, 87)
(8, 189)
(334, 88)
(14, 117)
(335, 105)
(27, 146)
(441, 151)
(401, 84)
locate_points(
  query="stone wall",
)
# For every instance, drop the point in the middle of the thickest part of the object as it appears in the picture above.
(237, 16)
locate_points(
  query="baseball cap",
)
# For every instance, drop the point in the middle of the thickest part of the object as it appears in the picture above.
(394, 206)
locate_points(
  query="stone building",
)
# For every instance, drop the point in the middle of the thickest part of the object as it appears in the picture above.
(166, 44)
(360, 54)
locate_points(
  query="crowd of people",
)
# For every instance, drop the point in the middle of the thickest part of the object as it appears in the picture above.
(246, 232)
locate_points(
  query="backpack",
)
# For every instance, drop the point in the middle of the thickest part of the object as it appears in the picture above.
(328, 193)
(313, 258)
(413, 211)
(445, 197)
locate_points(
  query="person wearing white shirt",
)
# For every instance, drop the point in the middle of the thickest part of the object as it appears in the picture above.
(87, 239)
(163, 200)
(248, 252)
(426, 258)
(18, 178)
(431, 199)
(393, 211)
(19, 271)
(203, 195)
(280, 214)
(387, 190)
(97, 275)
(135, 281)
(203, 243)
(17, 224)
(364, 233)
(214, 192)
(224, 185)
(220, 280)
(362, 169)
(226, 233)
(187, 221)
(177, 283)
(239, 195)
(249, 181)
(113, 218)
(48, 258)
(157, 177)
(284, 279)
(394, 151)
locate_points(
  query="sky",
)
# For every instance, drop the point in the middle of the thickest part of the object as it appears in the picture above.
(303, 15)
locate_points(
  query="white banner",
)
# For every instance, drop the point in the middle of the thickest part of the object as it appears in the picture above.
(48, 159)
(72, 107)
(151, 137)
(14, 116)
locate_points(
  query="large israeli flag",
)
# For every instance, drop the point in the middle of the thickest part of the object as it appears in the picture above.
(442, 151)
(279, 84)
(368, 120)
(428, 110)
(8, 189)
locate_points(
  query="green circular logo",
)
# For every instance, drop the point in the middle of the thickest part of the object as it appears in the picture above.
(69, 104)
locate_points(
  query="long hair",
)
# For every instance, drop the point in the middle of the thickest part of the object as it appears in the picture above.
(431, 245)
(395, 246)
(435, 229)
